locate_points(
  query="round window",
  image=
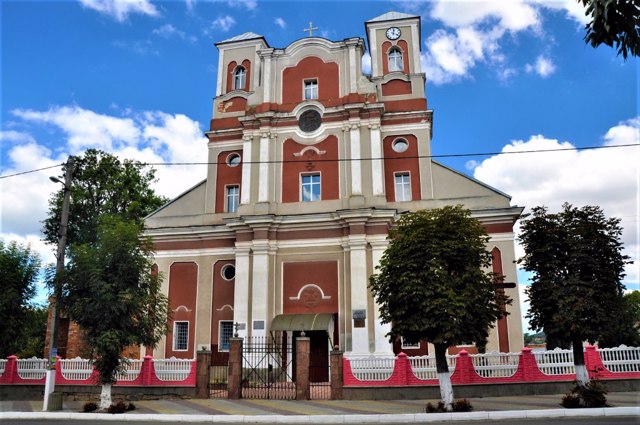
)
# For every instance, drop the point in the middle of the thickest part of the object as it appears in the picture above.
(309, 120)
(400, 145)
(229, 272)
(233, 160)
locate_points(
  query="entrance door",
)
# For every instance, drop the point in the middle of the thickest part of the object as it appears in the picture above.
(319, 358)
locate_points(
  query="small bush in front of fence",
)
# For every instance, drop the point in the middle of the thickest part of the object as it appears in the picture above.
(90, 406)
(120, 407)
(461, 405)
(593, 394)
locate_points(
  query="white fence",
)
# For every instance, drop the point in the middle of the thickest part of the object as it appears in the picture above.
(172, 369)
(496, 365)
(32, 368)
(131, 370)
(621, 359)
(76, 369)
(372, 368)
(555, 362)
(424, 367)
(3, 363)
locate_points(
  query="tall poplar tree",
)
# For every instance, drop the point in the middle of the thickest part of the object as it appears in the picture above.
(433, 285)
(575, 257)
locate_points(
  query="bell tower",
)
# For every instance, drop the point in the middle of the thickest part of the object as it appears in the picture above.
(394, 44)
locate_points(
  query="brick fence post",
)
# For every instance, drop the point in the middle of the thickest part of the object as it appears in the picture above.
(303, 345)
(234, 383)
(336, 374)
(203, 373)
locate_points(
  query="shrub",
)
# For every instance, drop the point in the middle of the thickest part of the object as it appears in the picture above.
(462, 405)
(90, 406)
(119, 407)
(593, 394)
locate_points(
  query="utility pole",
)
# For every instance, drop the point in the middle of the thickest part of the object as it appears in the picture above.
(50, 382)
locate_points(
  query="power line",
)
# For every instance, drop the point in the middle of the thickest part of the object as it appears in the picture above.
(285, 161)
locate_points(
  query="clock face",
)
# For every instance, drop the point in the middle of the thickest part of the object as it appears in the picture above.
(393, 33)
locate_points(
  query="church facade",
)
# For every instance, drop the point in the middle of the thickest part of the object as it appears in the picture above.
(310, 163)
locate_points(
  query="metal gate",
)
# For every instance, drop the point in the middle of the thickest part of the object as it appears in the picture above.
(267, 368)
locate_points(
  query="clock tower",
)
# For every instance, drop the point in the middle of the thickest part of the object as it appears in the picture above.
(394, 43)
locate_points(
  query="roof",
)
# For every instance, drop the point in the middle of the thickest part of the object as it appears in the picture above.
(242, 37)
(303, 322)
(391, 16)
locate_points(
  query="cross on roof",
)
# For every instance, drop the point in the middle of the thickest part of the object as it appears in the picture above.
(310, 29)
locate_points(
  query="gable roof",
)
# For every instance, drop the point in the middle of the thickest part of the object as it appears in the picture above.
(391, 16)
(242, 37)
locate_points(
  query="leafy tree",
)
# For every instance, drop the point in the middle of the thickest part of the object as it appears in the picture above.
(31, 339)
(614, 23)
(19, 269)
(577, 266)
(102, 184)
(625, 330)
(432, 284)
(113, 296)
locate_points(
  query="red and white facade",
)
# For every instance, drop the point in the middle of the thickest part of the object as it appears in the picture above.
(311, 161)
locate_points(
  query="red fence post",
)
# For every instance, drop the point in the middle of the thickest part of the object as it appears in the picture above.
(10, 374)
(464, 369)
(401, 370)
(147, 371)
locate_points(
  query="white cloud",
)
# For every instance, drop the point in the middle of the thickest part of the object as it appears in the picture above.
(573, 9)
(223, 23)
(140, 47)
(16, 136)
(366, 63)
(121, 9)
(513, 15)
(85, 128)
(543, 66)
(607, 177)
(280, 22)
(169, 31)
(244, 4)
(152, 137)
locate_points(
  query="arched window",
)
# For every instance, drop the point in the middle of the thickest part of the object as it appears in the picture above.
(395, 59)
(239, 77)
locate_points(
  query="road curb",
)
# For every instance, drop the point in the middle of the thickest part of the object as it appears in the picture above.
(329, 419)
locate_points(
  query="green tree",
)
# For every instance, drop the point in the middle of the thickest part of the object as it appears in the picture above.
(31, 339)
(102, 184)
(577, 266)
(113, 296)
(19, 269)
(433, 285)
(625, 330)
(614, 23)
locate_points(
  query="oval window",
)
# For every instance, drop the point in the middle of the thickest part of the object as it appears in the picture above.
(233, 160)
(400, 145)
(228, 272)
(310, 120)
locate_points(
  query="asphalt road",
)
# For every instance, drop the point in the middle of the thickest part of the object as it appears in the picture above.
(623, 420)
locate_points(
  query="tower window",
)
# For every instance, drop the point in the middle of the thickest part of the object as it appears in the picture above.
(310, 89)
(239, 78)
(403, 187)
(233, 196)
(395, 59)
(310, 187)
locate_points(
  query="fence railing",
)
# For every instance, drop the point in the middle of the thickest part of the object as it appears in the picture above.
(147, 372)
(526, 366)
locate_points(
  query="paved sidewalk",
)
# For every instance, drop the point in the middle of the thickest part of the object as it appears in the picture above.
(329, 411)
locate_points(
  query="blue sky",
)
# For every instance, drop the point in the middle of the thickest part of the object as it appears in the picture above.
(136, 78)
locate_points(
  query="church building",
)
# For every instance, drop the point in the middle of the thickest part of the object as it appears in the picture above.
(311, 162)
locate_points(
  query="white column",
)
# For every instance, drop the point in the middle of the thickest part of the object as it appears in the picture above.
(373, 43)
(353, 79)
(377, 173)
(241, 290)
(263, 179)
(383, 346)
(359, 292)
(415, 36)
(266, 81)
(356, 169)
(220, 71)
(245, 191)
(260, 285)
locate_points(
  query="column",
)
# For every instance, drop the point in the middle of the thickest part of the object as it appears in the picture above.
(241, 290)
(245, 190)
(356, 169)
(353, 78)
(359, 294)
(383, 346)
(260, 285)
(263, 179)
(377, 173)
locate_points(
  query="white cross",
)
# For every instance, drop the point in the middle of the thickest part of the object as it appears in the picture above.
(310, 29)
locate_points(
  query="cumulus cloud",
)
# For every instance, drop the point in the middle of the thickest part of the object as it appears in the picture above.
(243, 4)
(121, 9)
(515, 15)
(608, 177)
(574, 10)
(152, 137)
(366, 63)
(280, 22)
(543, 66)
(223, 23)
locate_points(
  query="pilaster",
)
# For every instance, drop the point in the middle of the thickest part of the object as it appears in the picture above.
(377, 173)
(359, 294)
(241, 289)
(245, 191)
(382, 344)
